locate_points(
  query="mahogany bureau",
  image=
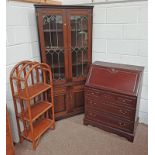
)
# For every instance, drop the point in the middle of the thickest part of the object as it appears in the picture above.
(112, 95)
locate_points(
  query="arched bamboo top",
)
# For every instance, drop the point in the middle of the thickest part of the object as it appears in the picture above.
(43, 66)
(32, 65)
(17, 65)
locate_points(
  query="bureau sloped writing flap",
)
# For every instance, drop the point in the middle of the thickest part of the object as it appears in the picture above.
(116, 79)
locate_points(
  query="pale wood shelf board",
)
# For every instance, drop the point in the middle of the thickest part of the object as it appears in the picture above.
(39, 129)
(37, 110)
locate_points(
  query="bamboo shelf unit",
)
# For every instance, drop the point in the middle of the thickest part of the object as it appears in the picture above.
(31, 83)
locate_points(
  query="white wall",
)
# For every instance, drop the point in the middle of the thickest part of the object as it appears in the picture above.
(22, 44)
(69, 2)
(120, 35)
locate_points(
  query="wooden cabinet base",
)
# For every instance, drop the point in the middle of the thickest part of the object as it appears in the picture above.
(128, 136)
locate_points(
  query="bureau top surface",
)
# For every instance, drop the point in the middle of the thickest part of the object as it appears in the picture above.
(119, 66)
(120, 78)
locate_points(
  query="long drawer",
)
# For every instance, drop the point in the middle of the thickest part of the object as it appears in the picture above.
(109, 120)
(112, 98)
(105, 106)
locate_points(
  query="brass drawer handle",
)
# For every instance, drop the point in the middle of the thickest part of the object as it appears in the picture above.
(91, 114)
(121, 99)
(91, 102)
(104, 103)
(124, 100)
(122, 112)
(122, 124)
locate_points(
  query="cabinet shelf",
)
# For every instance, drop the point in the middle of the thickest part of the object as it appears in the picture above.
(60, 30)
(37, 110)
(79, 30)
(33, 91)
(79, 47)
(53, 30)
(57, 66)
(54, 48)
(38, 129)
(78, 64)
(58, 76)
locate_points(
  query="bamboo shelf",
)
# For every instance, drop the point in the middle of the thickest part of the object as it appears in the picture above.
(36, 111)
(31, 84)
(33, 91)
(39, 129)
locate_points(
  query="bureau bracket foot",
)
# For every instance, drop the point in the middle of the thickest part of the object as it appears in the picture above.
(85, 122)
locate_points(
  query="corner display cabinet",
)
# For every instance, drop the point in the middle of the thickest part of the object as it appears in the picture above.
(65, 34)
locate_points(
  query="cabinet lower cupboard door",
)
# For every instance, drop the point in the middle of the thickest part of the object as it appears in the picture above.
(65, 34)
(78, 97)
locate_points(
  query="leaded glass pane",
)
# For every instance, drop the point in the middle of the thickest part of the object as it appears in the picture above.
(53, 34)
(79, 45)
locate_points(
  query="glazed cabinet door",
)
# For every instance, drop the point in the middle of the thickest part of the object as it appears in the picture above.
(80, 27)
(52, 31)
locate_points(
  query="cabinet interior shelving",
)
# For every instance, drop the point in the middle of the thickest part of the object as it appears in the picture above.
(34, 107)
